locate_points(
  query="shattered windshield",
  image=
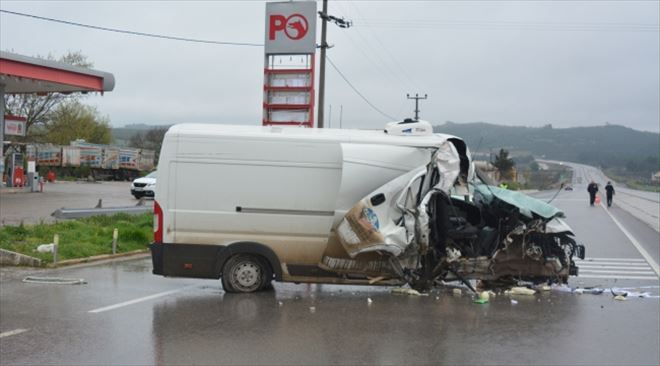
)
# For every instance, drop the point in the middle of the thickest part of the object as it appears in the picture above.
(527, 205)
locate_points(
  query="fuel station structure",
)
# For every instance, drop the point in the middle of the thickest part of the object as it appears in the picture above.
(289, 51)
(27, 75)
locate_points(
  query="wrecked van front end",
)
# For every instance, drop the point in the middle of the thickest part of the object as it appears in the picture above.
(441, 222)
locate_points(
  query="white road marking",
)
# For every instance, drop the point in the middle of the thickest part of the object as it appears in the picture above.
(615, 272)
(12, 332)
(611, 264)
(621, 277)
(614, 267)
(634, 242)
(141, 299)
(614, 259)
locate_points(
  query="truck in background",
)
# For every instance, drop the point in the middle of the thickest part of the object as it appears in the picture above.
(104, 161)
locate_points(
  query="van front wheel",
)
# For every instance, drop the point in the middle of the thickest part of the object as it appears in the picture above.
(245, 273)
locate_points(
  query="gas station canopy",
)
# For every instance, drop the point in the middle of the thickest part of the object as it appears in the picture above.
(22, 74)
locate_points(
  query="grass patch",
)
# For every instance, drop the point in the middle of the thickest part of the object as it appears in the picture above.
(80, 238)
(634, 181)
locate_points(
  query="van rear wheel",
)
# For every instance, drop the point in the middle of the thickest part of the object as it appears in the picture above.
(245, 273)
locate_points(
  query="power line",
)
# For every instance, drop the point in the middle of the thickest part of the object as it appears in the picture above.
(152, 35)
(513, 25)
(358, 92)
(402, 70)
(184, 39)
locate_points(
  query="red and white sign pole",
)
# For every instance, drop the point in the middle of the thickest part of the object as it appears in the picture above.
(290, 46)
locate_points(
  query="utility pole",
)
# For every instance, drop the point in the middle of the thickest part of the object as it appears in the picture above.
(341, 114)
(416, 98)
(324, 45)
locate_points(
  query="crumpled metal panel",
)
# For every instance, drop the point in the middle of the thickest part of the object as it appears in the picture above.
(386, 227)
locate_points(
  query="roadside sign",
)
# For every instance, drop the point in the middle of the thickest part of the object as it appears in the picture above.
(14, 125)
(291, 27)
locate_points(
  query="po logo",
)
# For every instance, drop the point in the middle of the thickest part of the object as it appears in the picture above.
(295, 26)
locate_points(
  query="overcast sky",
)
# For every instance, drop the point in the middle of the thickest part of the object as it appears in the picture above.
(515, 63)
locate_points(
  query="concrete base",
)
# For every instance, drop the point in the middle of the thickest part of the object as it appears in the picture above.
(8, 257)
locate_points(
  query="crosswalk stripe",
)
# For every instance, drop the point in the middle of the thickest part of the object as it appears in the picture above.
(621, 277)
(616, 272)
(616, 268)
(614, 264)
(613, 267)
(615, 259)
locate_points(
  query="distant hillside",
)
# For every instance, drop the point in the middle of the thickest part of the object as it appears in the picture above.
(122, 135)
(607, 146)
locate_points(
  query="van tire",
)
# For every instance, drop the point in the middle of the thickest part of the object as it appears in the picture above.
(243, 273)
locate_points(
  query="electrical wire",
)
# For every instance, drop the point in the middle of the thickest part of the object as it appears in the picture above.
(174, 38)
(370, 52)
(513, 25)
(389, 56)
(358, 92)
(152, 35)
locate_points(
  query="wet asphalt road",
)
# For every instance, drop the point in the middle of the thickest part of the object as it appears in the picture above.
(33, 208)
(139, 318)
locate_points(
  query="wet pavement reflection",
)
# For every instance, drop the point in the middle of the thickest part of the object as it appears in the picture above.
(311, 324)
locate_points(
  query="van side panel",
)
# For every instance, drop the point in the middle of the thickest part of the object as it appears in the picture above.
(278, 193)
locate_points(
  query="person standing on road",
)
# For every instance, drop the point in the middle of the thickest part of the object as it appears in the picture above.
(609, 191)
(592, 188)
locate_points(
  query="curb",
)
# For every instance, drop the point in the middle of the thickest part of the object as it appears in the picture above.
(7, 257)
(97, 258)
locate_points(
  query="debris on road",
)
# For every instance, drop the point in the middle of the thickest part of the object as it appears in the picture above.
(407, 291)
(457, 292)
(615, 291)
(55, 280)
(514, 302)
(520, 291)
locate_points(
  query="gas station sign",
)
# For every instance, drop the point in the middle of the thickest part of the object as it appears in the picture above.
(291, 27)
(14, 125)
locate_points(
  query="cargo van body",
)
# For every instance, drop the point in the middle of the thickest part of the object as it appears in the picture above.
(249, 204)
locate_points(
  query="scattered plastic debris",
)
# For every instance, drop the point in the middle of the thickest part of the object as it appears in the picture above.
(312, 309)
(46, 248)
(484, 295)
(55, 280)
(407, 291)
(620, 297)
(376, 279)
(369, 301)
(615, 291)
(514, 302)
(457, 292)
(480, 301)
(280, 303)
(520, 291)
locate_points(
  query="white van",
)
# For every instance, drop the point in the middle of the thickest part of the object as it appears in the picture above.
(250, 204)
